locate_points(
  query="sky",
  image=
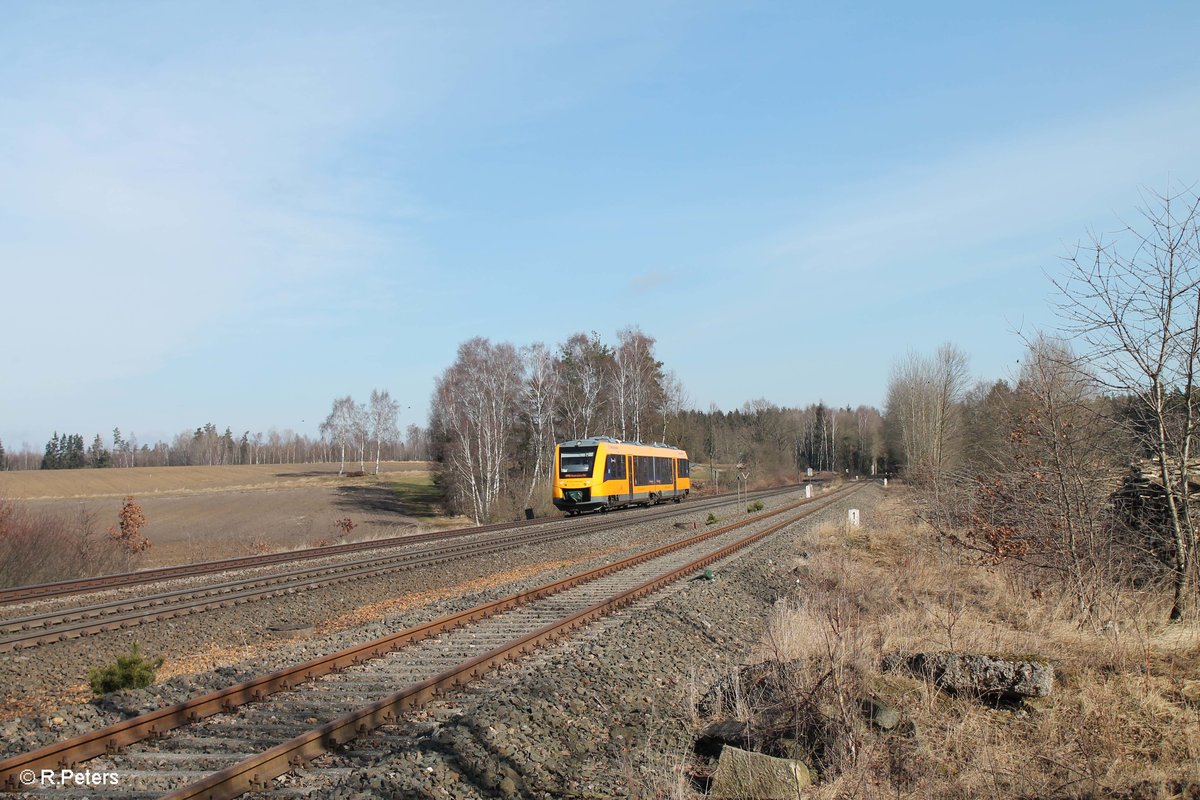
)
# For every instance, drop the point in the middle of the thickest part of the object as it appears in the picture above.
(235, 212)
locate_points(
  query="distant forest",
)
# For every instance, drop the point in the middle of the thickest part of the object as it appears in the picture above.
(205, 446)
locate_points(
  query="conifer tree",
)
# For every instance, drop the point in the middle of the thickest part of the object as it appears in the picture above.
(53, 453)
(98, 456)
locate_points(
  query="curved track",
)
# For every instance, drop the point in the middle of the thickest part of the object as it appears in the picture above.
(59, 624)
(224, 747)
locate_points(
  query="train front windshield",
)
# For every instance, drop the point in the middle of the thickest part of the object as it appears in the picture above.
(576, 462)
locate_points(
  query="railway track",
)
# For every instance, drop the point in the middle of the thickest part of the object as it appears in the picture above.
(44, 591)
(46, 627)
(240, 738)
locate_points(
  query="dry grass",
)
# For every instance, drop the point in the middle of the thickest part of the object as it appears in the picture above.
(1123, 720)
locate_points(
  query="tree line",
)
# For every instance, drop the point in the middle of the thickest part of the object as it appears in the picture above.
(208, 445)
(1079, 472)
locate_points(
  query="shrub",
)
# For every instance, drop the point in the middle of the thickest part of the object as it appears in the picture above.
(38, 547)
(757, 505)
(712, 519)
(127, 533)
(132, 671)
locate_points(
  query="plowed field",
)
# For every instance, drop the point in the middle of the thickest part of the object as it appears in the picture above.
(204, 513)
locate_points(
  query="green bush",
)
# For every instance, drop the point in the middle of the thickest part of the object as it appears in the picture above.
(757, 505)
(712, 519)
(132, 671)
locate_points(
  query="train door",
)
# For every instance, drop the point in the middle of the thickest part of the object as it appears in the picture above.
(629, 474)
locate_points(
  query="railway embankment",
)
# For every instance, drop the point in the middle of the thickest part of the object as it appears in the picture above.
(42, 678)
(611, 712)
(360, 623)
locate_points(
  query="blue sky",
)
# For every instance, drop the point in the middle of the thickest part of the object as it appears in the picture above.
(235, 212)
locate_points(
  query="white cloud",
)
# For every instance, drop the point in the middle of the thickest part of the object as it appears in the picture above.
(647, 282)
(964, 207)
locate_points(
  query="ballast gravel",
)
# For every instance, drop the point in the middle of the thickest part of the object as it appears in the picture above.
(609, 713)
(54, 666)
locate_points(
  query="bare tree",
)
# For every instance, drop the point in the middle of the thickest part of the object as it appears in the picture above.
(339, 426)
(1133, 301)
(362, 434)
(1038, 496)
(585, 363)
(672, 397)
(381, 416)
(636, 382)
(416, 443)
(538, 398)
(922, 408)
(474, 408)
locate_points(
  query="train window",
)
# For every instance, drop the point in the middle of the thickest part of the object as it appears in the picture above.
(684, 468)
(662, 470)
(576, 462)
(641, 470)
(614, 468)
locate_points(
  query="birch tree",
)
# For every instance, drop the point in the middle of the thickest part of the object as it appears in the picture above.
(636, 382)
(339, 426)
(538, 398)
(474, 410)
(583, 395)
(672, 397)
(381, 415)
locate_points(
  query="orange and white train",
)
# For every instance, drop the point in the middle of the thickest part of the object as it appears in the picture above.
(602, 473)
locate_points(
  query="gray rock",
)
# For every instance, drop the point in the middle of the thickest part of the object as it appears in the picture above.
(880, 714)
(982, 676)
(745, 774)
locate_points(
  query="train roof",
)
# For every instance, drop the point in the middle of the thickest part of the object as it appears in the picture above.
(595, 440)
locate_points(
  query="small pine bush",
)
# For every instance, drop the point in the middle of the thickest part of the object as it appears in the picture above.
(757, 505)
(712, 519)
(132, 671)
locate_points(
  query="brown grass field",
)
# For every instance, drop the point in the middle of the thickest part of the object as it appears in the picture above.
(205, 513)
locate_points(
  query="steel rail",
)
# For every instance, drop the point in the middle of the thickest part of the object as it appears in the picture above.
(257, 772)
(72, 623)
(41, 591)
(54, 626)
(113, 738)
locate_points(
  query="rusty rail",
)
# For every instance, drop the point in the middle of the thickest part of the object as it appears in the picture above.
(113, 738)
(42, 591)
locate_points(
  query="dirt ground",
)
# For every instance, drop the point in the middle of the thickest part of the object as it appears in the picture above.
(205, 513)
